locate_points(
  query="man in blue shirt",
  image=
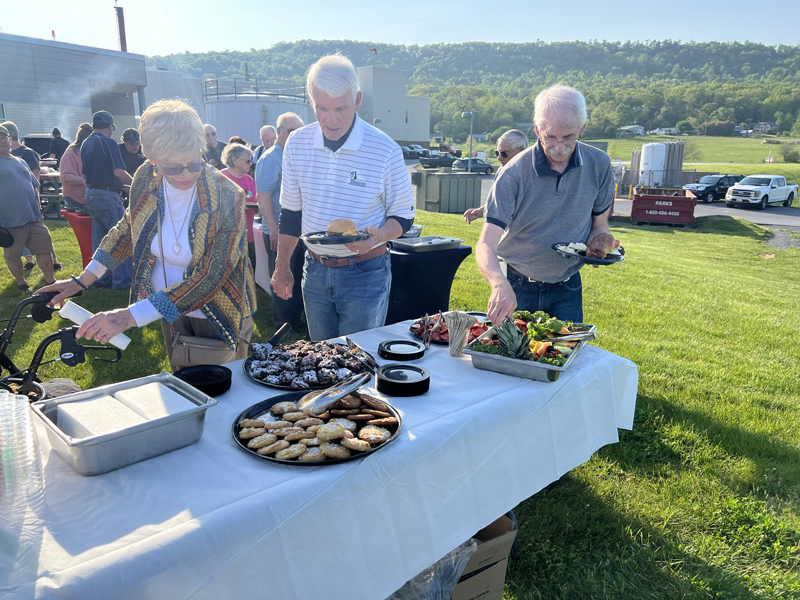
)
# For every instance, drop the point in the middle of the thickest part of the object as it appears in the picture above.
(268, 188)
(105, 175)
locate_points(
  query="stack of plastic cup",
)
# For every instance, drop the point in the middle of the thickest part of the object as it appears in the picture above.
(21, 475)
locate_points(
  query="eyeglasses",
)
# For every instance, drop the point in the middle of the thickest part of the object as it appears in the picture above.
(211, 134)
(193, 167)
(567, 140)
(499, 153)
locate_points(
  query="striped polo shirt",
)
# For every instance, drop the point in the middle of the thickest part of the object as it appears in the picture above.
(365, 180)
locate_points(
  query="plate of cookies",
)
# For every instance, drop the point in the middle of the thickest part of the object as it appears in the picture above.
(277, 431)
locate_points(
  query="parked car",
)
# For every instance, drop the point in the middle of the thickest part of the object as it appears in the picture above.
(712, 187)
(450, 150)
(478, 165)
(420, 150)
(761, 190)
(437, 160)
(408, 152)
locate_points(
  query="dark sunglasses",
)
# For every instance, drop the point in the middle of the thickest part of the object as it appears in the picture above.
(194, 167)
(504, 154)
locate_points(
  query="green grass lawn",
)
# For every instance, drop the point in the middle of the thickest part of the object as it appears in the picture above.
(702, 498)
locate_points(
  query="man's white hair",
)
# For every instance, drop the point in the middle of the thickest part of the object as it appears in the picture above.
(267, 128)
(335, 75)
(515, 138)
(560, 106)
(287, 116)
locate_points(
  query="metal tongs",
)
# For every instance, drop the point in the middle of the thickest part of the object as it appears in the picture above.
(574, 337)
(427, 334)
(362, 355)
(321, 401)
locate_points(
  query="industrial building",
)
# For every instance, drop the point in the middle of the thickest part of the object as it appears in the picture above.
(48, 84)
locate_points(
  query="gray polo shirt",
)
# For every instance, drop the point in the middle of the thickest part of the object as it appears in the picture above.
(19, 203)
(538, 207)
(268, 179)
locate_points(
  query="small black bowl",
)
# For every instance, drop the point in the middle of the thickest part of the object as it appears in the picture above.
(209, 379)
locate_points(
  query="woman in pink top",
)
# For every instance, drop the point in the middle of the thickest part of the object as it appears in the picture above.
(239, 158)
(73, 184)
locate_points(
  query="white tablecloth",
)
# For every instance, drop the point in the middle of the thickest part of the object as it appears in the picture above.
(211, 521)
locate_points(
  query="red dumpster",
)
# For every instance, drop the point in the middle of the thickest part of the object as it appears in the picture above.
(669, 210)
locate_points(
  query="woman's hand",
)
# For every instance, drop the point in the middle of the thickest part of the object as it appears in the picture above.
(105, 325)
(66, 288)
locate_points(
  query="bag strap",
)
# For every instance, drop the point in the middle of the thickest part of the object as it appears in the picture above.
(176, 335)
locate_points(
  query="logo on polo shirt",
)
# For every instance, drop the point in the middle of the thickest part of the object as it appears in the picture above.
(354, 179)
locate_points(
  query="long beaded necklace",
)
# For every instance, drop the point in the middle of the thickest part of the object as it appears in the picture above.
(176, 247)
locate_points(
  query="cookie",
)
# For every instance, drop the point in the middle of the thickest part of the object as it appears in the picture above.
(284, 431)
(262, 440)
(277, 424)
(310, 422)
(334, 450)
(383, 422)
(283, 407)
(343, 412)
(346, 423)
(371, 401)
(279, 445)
(349, 401)
(361, 417)
(356, 444)
(312, 455)
(251, 432)
(310, 441)
(377, 413)
(294, 416)
(301, 435)
(251, 423)
(330, 431)
(290, 452)
(374, 434)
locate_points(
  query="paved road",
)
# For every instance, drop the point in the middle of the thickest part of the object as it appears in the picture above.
(775, 216)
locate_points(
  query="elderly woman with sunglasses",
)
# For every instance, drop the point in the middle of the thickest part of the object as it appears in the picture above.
(185, 229)
(511, 143)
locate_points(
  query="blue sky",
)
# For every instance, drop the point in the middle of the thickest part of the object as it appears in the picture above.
(163, 27)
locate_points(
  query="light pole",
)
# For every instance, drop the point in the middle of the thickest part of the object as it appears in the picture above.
(375, 122)
(469, 160)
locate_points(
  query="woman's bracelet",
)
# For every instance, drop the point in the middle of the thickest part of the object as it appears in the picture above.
(79, 282)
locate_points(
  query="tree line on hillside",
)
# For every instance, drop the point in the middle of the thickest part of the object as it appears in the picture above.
(694, 86)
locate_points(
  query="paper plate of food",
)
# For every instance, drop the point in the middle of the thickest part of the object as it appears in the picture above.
(340, 231)
(577, 250)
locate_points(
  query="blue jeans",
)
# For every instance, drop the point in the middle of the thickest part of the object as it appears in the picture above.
(291, 310)
(344, 300)
(563, 300)
(106, 210)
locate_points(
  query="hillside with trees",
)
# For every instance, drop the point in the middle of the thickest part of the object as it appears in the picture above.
(694, 86)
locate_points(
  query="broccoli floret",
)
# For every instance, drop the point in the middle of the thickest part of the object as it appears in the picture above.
(540, 316)
(523, 315)
(554, 325)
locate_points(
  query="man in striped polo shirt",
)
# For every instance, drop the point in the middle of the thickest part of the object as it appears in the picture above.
(341, 168)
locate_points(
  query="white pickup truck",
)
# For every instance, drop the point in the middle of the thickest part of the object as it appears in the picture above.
(761, 190)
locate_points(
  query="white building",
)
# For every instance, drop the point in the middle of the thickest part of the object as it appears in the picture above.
(405, 119)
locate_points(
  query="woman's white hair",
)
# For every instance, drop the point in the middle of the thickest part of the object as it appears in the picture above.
(171, 130)
(561, 106)
(335, 75)
(517, 139)
(235, 151)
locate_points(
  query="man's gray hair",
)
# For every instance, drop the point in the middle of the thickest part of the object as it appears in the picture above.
(335, 75)
(559, 105)
(286, 116)
(13, 132)
(267, 128)
(516, 138)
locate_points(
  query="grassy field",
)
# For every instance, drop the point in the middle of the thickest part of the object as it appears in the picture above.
(702, 498)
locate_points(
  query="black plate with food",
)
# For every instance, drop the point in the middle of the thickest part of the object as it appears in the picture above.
(617, 256)
(325, 239)
(333, 363)
(389, 431)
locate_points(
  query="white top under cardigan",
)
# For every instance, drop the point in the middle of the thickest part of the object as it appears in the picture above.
(175, 216)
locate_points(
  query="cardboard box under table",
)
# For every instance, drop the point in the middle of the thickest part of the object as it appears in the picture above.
(200, 521)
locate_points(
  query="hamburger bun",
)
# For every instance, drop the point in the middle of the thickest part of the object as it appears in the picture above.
(340, 226)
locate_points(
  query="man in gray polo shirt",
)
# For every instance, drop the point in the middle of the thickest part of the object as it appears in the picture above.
(557, 191)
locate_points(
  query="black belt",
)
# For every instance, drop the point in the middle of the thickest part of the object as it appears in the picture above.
(109, 188)
(531, 279)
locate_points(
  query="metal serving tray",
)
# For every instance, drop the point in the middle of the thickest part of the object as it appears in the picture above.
(102, 453)
(426, 243)
(516, 367)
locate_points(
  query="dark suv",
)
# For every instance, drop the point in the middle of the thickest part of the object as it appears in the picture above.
(712, 187)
